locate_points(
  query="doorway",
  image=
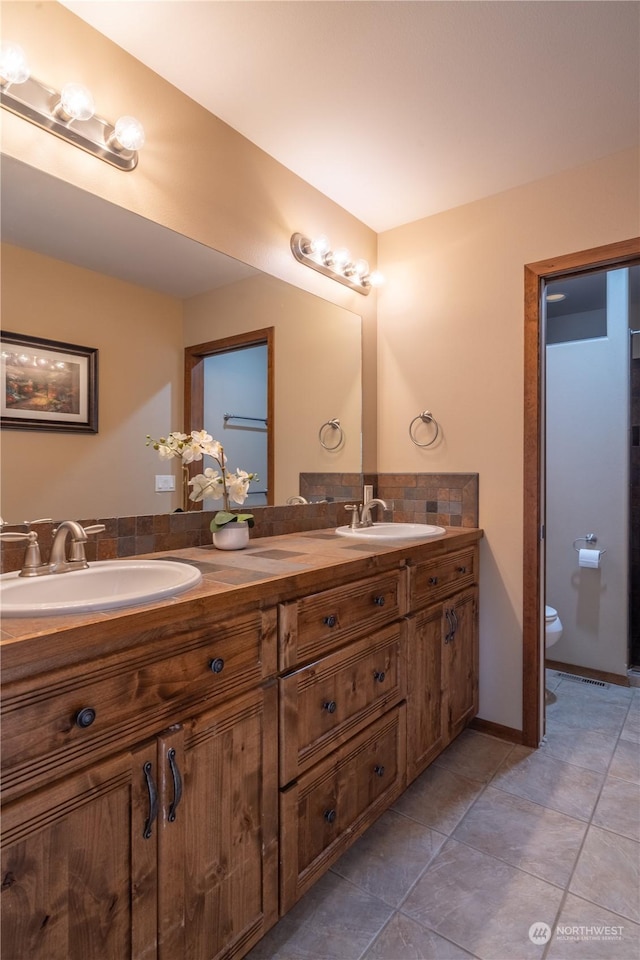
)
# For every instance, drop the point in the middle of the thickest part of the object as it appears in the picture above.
(537, 275)
(208, 368)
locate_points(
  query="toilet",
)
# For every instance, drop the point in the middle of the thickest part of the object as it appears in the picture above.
(552, 626)
(552, 633)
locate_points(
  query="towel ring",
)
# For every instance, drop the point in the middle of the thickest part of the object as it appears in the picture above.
(334, 425)
(424, 417)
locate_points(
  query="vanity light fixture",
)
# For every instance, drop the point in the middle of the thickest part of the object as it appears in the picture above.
(336, 264)
(69, 114)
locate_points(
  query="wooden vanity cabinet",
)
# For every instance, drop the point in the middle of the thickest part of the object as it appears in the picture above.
(167, 846)
(342, 722)
(168, 798)
(442, 655)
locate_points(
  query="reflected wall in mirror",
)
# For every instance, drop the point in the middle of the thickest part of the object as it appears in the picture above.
(81, 270)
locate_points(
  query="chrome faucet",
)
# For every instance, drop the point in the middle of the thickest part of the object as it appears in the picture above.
(59, 562)
(365, 511)
(361, 513)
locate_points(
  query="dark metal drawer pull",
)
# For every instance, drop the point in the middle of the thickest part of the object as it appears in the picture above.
(379, 770)
(433, 581)
(330, 706)
(331, 620)
(217, 665)
(153, 800)
(379, 601)
(379, 675)
(330, 816)
(85, 717)
(177, 785)
(461, 569)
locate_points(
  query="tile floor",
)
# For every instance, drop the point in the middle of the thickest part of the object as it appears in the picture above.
(492, 840)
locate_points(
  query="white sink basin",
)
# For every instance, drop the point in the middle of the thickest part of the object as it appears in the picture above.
(392, 531)
(105, 585)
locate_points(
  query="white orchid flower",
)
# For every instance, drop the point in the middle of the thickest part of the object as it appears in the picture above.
(201, 437)
(207, 485)
(210, 484)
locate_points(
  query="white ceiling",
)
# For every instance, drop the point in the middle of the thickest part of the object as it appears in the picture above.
(398, 109)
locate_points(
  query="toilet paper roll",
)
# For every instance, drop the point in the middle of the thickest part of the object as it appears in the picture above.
(589, 558)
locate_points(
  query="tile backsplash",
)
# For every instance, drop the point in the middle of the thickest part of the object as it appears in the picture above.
(448, 499)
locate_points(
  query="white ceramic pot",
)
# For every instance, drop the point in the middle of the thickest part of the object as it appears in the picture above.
(233, 536)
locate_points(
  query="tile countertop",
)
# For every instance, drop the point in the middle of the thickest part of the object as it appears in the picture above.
(268, 571)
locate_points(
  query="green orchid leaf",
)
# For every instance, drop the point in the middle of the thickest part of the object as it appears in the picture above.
(222, 518)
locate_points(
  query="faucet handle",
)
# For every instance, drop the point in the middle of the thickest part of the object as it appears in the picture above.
(32, 557)
(96, 528)
(355, 514)
(76, 552)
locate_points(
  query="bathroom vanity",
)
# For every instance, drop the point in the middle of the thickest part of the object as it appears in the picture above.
(177, 775)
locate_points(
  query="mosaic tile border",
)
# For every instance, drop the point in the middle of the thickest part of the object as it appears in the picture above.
(447, 499)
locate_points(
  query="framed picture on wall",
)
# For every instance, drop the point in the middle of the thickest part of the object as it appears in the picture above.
(48, 385)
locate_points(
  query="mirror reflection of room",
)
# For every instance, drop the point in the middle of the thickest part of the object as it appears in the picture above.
(81, 270)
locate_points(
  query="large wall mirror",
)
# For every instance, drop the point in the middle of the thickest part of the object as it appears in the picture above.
(79, 270)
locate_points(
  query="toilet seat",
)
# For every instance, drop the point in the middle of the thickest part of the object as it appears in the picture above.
(550, 614)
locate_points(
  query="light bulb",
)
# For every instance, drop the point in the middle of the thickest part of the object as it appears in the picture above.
(13, 64)
(376, 279)
(361, 268)
(320, 245)
(341, 257)
(76, 102)
(127, 135)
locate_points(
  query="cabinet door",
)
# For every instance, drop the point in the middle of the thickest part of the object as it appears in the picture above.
(461, 667)
(425, 715)
(79, 866)
(219, 855)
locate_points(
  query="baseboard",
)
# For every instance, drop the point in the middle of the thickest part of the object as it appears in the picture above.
(619, 679)
(496, 730)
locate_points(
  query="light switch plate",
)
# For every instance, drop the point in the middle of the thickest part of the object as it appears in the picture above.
(165, 483)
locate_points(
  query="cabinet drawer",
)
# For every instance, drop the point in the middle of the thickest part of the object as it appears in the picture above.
(337, 800)
(435, 579)
(321, 622)
(324, 704)
(89, 710)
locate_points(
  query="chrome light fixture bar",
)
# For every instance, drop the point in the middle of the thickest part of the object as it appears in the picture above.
(68, 114)
(336, 264)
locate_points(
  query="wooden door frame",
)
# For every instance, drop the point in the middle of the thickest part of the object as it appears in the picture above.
(612, 255)
(194, 357)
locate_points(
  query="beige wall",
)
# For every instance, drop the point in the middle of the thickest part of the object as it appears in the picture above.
(450, 329)
(450, 316)
(196, 175)
(316, 364)
(138, 334)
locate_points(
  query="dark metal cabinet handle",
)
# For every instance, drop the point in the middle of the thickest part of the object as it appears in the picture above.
(433, 581)
(217, 665)
(461, 569)
(330, 816)
(85, 717)
(378, 770)
(330, 706)
(454, 617)
(449, 636)
(177, 785)
(379, 675)
(331, 620)
(153, 800)
(379, 601)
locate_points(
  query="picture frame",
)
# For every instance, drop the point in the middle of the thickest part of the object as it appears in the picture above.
(47, 385)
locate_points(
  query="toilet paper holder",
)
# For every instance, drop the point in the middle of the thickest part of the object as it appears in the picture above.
(589, 538)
